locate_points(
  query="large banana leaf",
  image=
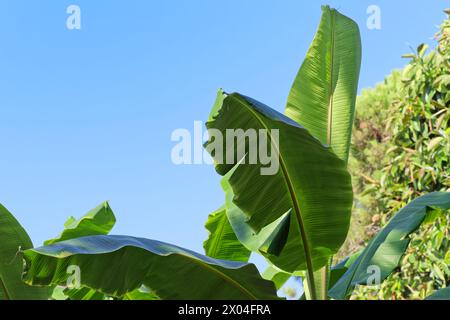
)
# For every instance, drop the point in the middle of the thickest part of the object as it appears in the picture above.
(298, 216)
(116, 265)
(323, 95)
(443, 294)
(98, 221)
(13, 239)
(386, 249)
(222, 243)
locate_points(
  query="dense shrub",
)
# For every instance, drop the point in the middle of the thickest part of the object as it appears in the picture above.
(401, 150)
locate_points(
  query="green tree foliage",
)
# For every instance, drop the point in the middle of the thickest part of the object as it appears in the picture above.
(401, 148)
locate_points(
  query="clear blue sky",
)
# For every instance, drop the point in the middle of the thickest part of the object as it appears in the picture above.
(86, 115)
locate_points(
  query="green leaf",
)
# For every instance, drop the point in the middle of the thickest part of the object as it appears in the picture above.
(443, 294)
(222, 242)
(305, 204)
(409, 56)
(323, 95)
(276, 275)
(98, 221)
(141, 294)
(13, 239)
(59, 293)
(387, 248)
(421, 49)
(434, 143)
(438, 272)
(443, 79)
(83, 294)
(337, 271)
(116, 265)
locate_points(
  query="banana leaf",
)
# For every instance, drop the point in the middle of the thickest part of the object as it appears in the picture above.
(222, 242)
(117, 265)
(323, 95)
(299, 216)
(98, 221)
(442, 294)
(386, 249)
(13, 239)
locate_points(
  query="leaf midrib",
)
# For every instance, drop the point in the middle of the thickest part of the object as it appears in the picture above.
(331, 98)
(3, 288)
(324, 271)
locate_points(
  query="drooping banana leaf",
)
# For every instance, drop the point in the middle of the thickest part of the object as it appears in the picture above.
(322, 98)
(13, 239)
(386, 249)
(116, 265)
(98, 221)
(306, 202)
(443, 294)
(222, 242)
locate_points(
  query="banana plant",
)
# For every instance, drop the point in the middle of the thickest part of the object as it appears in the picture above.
(308, 202)
(297, 216)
